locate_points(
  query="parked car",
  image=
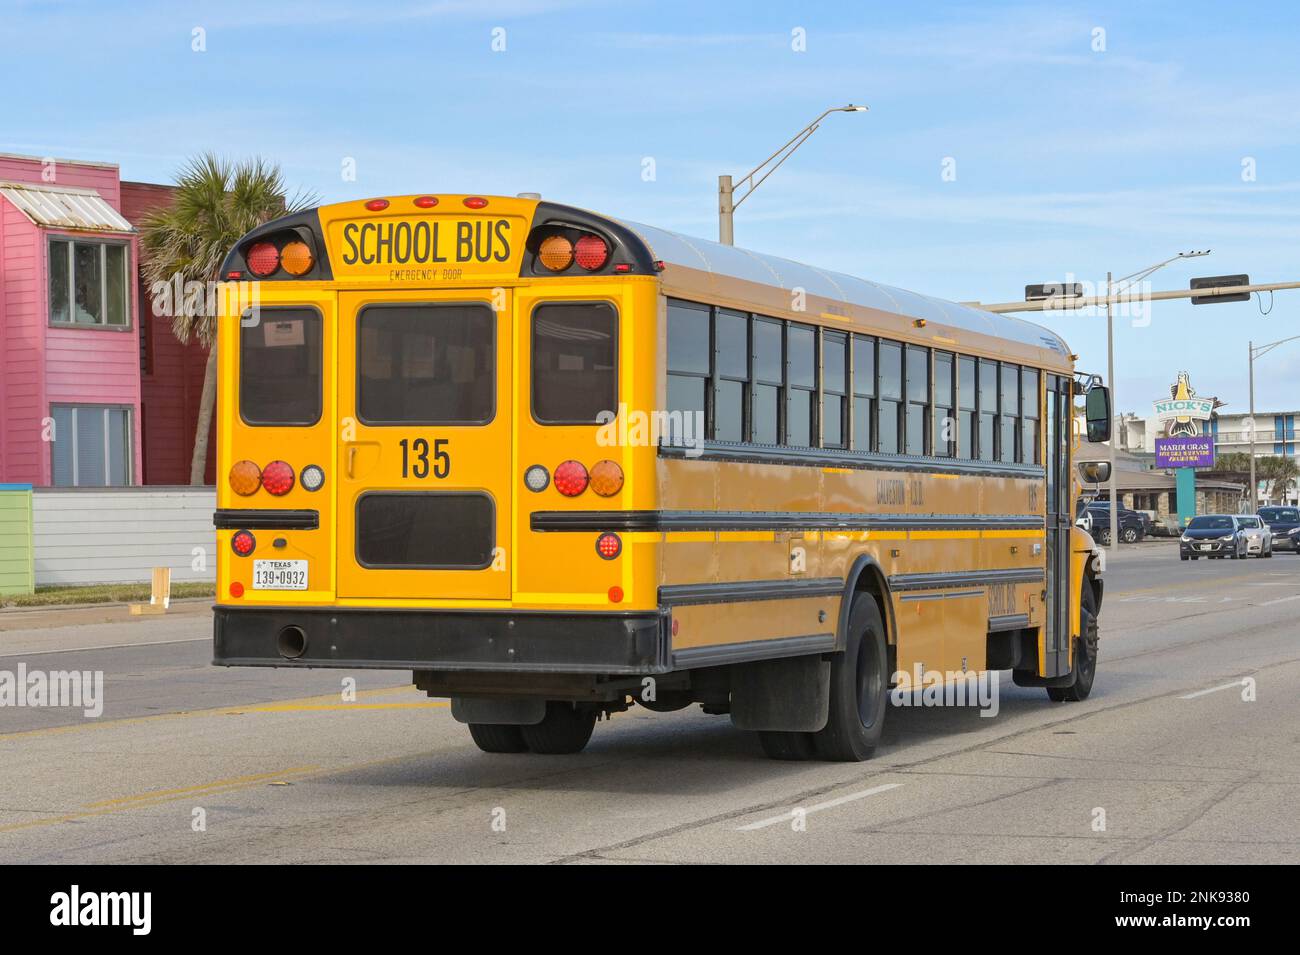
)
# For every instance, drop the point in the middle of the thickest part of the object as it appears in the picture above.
(1213, 536)
(1132, 528)
(1258, 538)
(1281, 521)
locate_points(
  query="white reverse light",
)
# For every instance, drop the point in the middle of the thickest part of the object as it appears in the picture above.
(311, 478)
(537, 478)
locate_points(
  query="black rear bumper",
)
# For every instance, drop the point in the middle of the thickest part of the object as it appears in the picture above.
(450, 640)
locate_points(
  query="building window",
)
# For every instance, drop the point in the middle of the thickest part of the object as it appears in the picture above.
(864, 392)
(966, 393)
(835, 381)
(917, 430)
(91, 446)
(88, 283)
(945, 429)
(731, 374)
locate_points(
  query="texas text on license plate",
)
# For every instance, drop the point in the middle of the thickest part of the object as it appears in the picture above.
(279, 575)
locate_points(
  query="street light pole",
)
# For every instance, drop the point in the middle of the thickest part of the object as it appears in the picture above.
(727, 201)
(1258, 351)
(1114, 406)
(1254, 486)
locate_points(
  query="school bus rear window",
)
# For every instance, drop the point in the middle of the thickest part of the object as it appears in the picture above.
(280, 366)
(426, 364)
(574, 377)
(425, 530)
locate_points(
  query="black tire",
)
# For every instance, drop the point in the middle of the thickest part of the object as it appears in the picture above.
(498, 737)
(564, 729)
(1129, 535)
(1104, 537)
(859, 688)
(1085, 654)
(1236, 552)
(788, 746)
(1183, 557)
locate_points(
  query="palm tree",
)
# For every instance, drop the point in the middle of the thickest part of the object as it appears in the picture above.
(216, 202)
(1280, 472)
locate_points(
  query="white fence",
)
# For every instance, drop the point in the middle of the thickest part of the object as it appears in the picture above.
(118, 535)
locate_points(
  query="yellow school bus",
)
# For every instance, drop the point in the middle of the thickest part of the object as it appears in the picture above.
(558, 465)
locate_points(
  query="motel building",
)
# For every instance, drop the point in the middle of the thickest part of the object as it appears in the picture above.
(95, 390)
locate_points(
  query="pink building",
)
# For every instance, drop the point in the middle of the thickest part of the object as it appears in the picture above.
(69, 345)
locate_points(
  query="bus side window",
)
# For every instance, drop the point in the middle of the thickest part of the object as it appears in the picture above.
(835, 378)
(769, 376)
(986, 439)
(801, 382)
(916, 433)
(966, 392)
(688, 370)
(731, 373)
(1029, 399)
(1009, 420)
(889, 385)
(864, 392)
(944, 423)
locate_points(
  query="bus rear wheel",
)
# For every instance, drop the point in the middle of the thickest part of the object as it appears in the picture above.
(498, 737)
(859, 688)
(565, 728)
(790, 746)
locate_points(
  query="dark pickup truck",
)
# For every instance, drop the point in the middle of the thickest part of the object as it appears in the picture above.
(1281, 521)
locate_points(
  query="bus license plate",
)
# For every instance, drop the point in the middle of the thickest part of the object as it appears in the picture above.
(279, 575)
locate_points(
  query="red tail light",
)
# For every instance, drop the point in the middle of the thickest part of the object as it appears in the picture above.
(377, 205)
(263, 259)
(243, 543)
(609, 545)
(475, 202)
(591, 252)
(426, 202)
(570, 478)
(277, 478)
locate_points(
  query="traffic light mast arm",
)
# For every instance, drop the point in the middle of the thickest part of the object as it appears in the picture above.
(1061, 303)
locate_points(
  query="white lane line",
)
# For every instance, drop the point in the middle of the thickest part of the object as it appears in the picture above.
(40, 652)
(1280, 600)
(1215, 689)
(828, 804)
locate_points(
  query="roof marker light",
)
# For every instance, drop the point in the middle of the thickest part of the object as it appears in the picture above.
(426, 202)
(377, 205)
(475, 202)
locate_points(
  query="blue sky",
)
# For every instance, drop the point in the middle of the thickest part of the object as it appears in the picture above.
(1068, 159)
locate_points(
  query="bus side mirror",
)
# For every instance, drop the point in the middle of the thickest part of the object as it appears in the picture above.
(1095, 472)
(1097, 413)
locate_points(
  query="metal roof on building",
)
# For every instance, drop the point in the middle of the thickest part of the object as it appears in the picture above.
(714, 257)
(61, 207)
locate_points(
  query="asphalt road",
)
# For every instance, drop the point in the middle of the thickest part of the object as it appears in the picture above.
(1165, 762)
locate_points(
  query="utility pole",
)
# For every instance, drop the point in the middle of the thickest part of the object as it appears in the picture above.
(727, 201)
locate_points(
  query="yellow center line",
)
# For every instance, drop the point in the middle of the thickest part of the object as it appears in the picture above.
(307, 703)
(202, 788)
